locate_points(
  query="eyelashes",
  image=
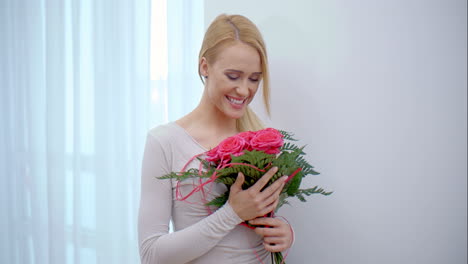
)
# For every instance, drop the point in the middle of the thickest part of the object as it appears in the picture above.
(234, 78)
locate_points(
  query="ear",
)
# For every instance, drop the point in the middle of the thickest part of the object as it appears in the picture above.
(204, 67)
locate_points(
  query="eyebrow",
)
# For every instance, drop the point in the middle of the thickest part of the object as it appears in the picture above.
(232, 70)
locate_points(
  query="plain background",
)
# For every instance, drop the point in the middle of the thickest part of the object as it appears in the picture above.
(378, 92)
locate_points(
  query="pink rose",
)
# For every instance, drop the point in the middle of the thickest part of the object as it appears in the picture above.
(212, 155)
(232, 145)
(247, 136)
(268, 140)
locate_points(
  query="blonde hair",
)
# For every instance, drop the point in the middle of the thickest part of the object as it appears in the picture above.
(226, 30)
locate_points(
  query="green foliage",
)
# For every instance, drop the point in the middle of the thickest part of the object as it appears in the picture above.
(254, 164)
(277, 258)
(287, 135)
(293, 186)
(282, 200)
(190, 173)
(220, 200)
(206, 164)
(259, 161)
(287, 146)
(315, 190)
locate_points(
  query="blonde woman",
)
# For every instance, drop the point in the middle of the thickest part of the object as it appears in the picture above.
(232, 64)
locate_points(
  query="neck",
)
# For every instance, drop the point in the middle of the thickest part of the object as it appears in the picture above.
(207, 117)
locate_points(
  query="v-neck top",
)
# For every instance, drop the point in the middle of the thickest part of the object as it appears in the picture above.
(201, 235)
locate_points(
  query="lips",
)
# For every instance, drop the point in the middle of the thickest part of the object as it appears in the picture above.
(236, 101)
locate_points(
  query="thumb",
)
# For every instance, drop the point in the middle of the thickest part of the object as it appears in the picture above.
(237, 186)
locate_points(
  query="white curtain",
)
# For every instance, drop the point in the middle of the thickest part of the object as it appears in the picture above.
(76, 100)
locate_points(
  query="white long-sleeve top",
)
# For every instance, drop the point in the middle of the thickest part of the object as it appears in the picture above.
(199, 237)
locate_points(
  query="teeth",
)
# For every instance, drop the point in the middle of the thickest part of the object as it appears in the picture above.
(239, 102)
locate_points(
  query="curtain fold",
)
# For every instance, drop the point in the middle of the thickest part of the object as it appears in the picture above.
(184, 43)
(76, 102)
(74, 112)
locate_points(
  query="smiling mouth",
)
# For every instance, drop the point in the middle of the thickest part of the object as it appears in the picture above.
(236, 101)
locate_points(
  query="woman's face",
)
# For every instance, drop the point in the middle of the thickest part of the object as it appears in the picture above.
(233, 79)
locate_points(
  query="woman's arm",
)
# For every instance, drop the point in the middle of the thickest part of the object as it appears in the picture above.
(156, 244)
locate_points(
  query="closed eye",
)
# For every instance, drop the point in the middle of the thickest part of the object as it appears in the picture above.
(232, 77)
(255, 77)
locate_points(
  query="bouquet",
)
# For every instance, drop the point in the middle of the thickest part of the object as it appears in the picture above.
(253, 153)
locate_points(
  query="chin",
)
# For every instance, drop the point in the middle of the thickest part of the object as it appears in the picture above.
(235, 115)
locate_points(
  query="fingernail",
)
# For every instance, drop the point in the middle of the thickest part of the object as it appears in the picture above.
(285, 178)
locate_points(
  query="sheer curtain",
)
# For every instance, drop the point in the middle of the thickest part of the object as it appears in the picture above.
(81, 82)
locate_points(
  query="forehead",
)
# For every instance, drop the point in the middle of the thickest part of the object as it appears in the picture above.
(239, 56)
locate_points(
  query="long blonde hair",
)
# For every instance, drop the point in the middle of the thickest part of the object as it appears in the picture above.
(225, 30)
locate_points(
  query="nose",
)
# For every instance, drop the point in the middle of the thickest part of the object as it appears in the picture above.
(243, 89)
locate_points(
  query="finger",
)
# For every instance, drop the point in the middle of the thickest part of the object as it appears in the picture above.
(266, 221)
(268, 231)
(269, 199)
(277, 186)
(275, 247)
(237, 186)
(275, 205)
(274, 240)
(258, 186)
(268, 209)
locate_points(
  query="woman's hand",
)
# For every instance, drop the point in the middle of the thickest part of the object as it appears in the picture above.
(252, 203)
(277, 234)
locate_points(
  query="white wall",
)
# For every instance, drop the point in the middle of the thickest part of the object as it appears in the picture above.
(378, 90)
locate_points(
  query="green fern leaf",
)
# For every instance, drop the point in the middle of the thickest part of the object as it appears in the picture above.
(287, 135)
(220, 200)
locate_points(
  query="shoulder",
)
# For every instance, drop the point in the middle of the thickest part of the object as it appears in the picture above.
(173, 144)
(159, 138)
(170, 137)
(166, 134)
(160, 142)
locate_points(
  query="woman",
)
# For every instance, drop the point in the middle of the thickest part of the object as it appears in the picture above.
(232, 63)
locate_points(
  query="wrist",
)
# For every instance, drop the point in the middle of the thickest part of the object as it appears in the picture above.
(232, 212)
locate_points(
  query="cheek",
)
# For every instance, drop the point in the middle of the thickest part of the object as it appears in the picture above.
(254, 90)
(217, 89)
